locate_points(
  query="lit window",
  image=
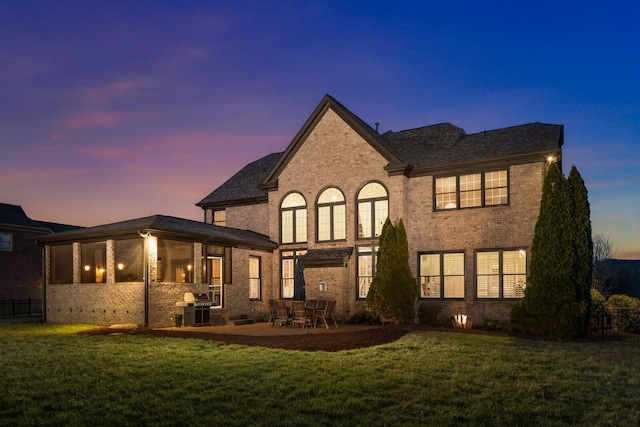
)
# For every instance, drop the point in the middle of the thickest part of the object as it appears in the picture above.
(175, 261)
(6, 242)
(287, 274)
(94, 262)
(254, 277)
(472, 190)
(367, 257)
(128, 260)
(442, 275)
(331, 215)
(501, 274)
(293, 219)
(373, 210)
(220, 218)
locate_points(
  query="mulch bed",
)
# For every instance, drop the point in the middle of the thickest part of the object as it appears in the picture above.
(311, 342)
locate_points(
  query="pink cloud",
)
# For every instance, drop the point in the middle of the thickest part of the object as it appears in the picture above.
(96, 119)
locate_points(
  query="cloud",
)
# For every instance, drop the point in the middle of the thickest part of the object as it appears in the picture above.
(96, 119)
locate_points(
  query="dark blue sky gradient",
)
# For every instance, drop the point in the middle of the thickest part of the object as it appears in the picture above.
(113, 110)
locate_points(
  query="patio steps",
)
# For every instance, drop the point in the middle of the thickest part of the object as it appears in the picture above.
(240, 319)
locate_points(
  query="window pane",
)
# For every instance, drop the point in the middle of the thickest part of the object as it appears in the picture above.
(365, 274)
(175, 261)
(373, 190)
(339, 222)
(324, 223)
(330, 195)
(514, 269)
(94, 262)
(128, 257)
(293, 200)
(488, 279)
(430, 276)
(220, 218)
(496, 185)
(301, 225)
(287, 226)
(453, 273)
(287, 278)
(254, 278)
(5, 242)
(364, 219)
(381, 214)
(61, 264)
(470, 191)
(487, 262)
(215, 280)
(446, 193)
(488, 286)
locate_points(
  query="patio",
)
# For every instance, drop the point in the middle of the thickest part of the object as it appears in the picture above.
(264, 329)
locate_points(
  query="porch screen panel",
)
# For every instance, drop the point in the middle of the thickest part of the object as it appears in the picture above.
(61, 264)
(128, 260)
(94, 262)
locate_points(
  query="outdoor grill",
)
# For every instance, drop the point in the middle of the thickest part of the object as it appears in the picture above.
(198, 309)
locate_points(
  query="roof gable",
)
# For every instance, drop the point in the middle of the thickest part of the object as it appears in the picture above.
(358, 125)
(14, 216)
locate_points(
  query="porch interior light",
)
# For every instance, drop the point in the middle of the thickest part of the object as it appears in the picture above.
(120, 266)
(87, 268)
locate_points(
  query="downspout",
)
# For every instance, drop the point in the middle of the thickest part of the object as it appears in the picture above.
(145, 269)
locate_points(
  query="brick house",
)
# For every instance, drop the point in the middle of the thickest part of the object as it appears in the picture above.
(469, 203)
(20, 256)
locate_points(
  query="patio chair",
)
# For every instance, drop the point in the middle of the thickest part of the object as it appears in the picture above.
(282, 314)
(272, 311)
(300, 315)
(327, 315)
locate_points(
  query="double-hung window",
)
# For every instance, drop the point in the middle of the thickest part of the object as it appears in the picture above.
(472, 190)
(442, 275)
(331, 215)
(6, 242)
(373, 210)
(293, 219)
(254, 277)
(367, 256)
(501, 274)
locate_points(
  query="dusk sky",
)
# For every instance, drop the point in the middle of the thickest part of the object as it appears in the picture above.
(115, 110)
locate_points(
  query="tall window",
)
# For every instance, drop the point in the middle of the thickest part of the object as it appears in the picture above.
(373, 210)
(94, 262)
(175, 261)
(442, 275)
(331, 215)
(367, 256)
(293, 219)
(287, 274)
(214, 273)
(128, 260)
(220, 218)
(501, 274)
(6, 242)
(61, 264)
(254, 277)
(472, 190)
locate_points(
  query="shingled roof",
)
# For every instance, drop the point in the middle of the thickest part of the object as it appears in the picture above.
(411, 152)
(167, 227)
(14, 216)
(242, 187)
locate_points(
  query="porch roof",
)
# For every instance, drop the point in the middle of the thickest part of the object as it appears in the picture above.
(166, 227)
(334, 257)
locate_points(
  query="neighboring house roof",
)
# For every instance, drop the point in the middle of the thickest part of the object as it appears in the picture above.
(166, 227)
(13, 216)
(413, 152)
(242, 187)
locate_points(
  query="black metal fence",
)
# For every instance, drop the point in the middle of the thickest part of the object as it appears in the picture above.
(20, 308)
(615, 324)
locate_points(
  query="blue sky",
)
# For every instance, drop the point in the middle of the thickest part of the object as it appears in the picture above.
(115, 110)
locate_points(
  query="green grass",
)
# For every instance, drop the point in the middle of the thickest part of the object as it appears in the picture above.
(52, 376)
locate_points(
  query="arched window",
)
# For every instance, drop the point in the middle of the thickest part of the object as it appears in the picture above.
(331, 215)
(293, 219)
(373, 210)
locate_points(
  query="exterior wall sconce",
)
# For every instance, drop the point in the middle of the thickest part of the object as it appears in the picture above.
(552, 158)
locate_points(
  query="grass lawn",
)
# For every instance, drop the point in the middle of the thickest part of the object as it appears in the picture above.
(52, 376)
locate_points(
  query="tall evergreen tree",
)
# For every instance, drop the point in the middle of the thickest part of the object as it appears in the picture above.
(549, 306)
(582, 268)
(393, 290)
